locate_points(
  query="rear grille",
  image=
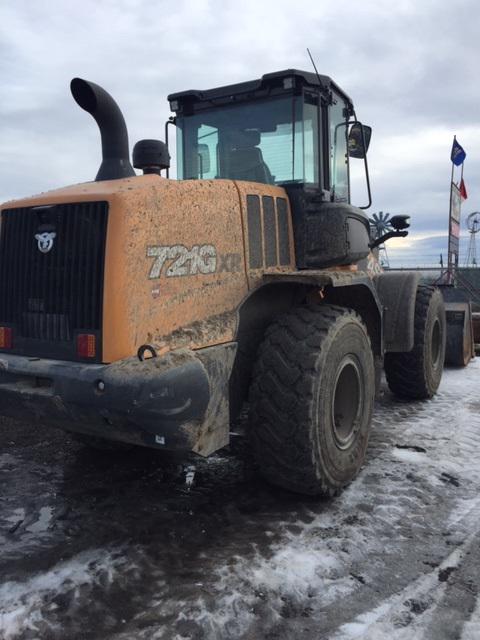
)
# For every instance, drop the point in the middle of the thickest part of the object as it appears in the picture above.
(49, 297)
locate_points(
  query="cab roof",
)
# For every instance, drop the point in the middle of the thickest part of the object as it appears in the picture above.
(287, 81)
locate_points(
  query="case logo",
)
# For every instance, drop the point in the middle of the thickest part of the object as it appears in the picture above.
(45, 240)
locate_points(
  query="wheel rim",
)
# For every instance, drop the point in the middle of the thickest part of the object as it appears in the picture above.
(436, 343)
(347, 402)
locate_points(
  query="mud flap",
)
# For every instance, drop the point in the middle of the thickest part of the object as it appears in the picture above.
(460, 348)
(476, 331)
(214, 431)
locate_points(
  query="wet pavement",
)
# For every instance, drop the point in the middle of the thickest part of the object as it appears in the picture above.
(142, 545)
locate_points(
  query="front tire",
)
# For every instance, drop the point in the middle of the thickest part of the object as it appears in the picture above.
(311, 399)
(416, 374)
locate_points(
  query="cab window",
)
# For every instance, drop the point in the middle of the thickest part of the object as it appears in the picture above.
(338, 150)
(273, 142)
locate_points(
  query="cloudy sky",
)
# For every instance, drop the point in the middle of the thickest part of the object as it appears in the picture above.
(411, 67)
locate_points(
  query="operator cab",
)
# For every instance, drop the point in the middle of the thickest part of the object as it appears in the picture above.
(292, 129)
(288, 128)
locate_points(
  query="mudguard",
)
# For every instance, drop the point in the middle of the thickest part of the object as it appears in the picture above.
(460, 339)
(397, 292)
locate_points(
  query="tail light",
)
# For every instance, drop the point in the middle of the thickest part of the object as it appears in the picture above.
(86, 345)
(6, 338)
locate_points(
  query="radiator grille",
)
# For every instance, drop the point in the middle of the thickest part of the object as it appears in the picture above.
(50, 296)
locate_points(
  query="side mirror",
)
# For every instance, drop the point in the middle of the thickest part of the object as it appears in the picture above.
(400, 225)
(359, 140)
(203, 159)
(400, 222)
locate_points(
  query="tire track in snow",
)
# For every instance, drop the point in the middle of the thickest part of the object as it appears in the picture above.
(427, 609)
(437, 605)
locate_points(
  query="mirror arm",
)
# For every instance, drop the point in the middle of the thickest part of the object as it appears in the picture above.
(387, 236)
(367, 176)
(365, 162)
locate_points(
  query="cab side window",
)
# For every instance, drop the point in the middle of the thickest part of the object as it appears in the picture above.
(338, 150)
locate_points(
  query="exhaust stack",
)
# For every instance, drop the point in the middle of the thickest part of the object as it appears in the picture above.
(113, 130)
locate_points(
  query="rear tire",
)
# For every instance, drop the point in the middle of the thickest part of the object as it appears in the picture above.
(417, 373)
(311, 399)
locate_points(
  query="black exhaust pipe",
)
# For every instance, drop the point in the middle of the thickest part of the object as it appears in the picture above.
(107, 114)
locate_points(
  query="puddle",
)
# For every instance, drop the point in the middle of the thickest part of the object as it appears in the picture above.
(43, 521)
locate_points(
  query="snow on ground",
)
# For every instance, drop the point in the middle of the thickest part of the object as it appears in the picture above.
(394, 556)
(311, 567)
(22, 602)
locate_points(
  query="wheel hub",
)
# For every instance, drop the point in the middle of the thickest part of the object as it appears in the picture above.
(347, 402)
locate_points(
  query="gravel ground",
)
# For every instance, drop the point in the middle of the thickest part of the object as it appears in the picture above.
(144, 546)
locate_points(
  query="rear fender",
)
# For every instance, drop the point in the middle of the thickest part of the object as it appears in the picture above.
(362, 298)
(352, 289)
(398, 292)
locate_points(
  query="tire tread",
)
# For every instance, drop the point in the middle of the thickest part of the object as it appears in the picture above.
(281, 398)
(405, 372)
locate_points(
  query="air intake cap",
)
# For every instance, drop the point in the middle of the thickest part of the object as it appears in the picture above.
(151, 156)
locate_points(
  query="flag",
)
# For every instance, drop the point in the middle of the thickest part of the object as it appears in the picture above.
(458, 154)
(463, 190)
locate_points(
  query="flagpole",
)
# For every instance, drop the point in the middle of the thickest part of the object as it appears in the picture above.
(453, 166)
(449, 254)
(457, 157)
(462, 192)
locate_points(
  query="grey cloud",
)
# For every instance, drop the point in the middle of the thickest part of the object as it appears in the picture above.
(408, 66)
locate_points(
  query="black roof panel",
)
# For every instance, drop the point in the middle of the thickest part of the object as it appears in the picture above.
(268, 79)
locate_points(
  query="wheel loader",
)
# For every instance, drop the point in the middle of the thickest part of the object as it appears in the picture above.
(146, 310)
